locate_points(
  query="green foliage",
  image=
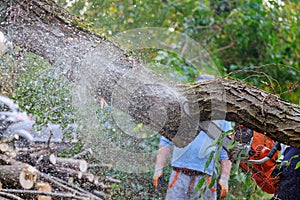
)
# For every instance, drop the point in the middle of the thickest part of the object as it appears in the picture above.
(44, 92)
(135, 186)
(171, 67)
(297, 165)
(257, 40)
(264, 47)
(8, 70)
(242, 187)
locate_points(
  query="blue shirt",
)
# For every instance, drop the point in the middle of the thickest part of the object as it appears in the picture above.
(195, 155)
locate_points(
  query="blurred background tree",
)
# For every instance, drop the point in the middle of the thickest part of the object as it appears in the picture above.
(252, 40)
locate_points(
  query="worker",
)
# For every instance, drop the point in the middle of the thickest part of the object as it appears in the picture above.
(189, 165)
(284, 179)
(289, 176)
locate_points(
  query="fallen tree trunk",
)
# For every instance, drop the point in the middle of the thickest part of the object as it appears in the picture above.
(43, 28)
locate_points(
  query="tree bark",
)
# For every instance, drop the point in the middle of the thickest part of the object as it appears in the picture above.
(43, 28)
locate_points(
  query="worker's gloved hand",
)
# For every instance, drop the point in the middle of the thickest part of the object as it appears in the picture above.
(223, 182)
(158, 178)
(161, 159)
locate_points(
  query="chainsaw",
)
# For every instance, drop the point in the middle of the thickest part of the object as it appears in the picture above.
(259, 157)
(255, 152)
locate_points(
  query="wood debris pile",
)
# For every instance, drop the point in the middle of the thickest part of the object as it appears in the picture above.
(37, 172)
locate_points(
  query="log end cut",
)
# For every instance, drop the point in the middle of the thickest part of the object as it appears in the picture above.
(28, 177)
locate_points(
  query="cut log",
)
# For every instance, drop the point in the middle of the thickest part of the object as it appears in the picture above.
(47, 159)
(43, 187)
(76, 164)
(67, 173)
(19, 175)
(3, 147)
(88, 177)
(40, 158)
(11, 139)
(11, 152)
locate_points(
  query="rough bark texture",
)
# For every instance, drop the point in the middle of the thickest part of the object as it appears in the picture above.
(261, 111)
(43, 28)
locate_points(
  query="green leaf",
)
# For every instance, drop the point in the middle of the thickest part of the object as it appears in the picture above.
(231, 145)
(199, 184)
(213, 179)
(211, 155)
(217, 155)
(297, 165)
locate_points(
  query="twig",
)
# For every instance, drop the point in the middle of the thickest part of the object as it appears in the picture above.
(57, 194)
(112, 179)
(12, 196)
(38, 147)
(100, 193)
(109, 166)
(206, 54)
(78, 188)
(49, 140)
(223, 48)
(184, 48)
(58, 182)
(269, 78)
(69, 186)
